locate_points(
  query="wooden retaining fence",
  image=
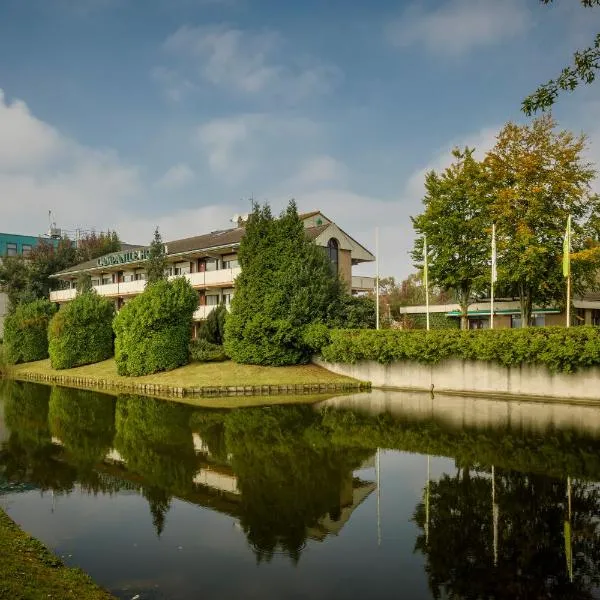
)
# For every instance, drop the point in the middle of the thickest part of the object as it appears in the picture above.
(150, 389)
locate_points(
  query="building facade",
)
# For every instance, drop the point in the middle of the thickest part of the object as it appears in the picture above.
(507, 314)
(14, 244)
(210, 263)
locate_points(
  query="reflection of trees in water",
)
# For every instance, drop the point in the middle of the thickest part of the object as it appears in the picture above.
(84, 422)
(155, 440)
(29, 455)
(287, 483)
(531, 545)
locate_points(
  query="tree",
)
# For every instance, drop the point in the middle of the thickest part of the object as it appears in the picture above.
(286, 283)
(213, 329)
(583, 70)
(14, 280)
(156, 264)
(456, 223)
(538, 178)
(93, 245)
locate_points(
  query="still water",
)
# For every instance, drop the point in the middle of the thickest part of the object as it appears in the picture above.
(381, 495)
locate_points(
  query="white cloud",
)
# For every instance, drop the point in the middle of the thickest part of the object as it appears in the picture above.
(178, 176)
(41, 170)
(458, 26)
(317, 171)
(247, 62)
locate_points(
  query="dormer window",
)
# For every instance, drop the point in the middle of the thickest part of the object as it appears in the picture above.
(333, 254)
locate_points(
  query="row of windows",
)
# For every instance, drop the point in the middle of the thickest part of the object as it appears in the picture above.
(12, 249)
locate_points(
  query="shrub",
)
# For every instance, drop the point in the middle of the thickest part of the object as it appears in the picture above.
(80, 333)
(353, 312)
(316, 336)
(26, 331)
(153, 329)
(213, 329)
(203, 351)
(558, 348)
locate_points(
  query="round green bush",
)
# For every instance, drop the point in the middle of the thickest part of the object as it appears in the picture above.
(153, 330)
(26, 331)
(80, 333)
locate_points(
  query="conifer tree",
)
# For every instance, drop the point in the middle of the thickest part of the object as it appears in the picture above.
(157, 261)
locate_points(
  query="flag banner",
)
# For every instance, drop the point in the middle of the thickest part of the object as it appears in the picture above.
(567, 249)
(425, 266)
(494, 256)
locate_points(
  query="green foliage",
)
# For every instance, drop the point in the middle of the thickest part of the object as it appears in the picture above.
(436, 321)
(558, 348)
(203, 351)
(156, 264)
(539, 176)
(84, 422)
(213, 329)
(352, 312)
(84, 283)
(153, 329)
(315, 336)
(80, 333)
(583, 70)
(92, 245)
(457, 225)
(286, 283)
(26, 331)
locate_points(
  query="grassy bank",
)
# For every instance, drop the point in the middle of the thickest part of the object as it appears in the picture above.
(193, 379)
(28, 570)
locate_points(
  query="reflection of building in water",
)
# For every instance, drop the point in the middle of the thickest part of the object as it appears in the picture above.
(215, 486)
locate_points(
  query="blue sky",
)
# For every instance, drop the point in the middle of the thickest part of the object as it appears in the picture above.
(128, 114)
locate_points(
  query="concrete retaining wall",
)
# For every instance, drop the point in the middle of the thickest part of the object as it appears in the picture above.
(476, 377)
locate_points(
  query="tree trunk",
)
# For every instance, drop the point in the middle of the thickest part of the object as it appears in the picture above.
(526, 305)
(463, 301)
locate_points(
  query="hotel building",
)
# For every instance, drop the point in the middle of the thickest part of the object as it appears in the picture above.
(210, 263)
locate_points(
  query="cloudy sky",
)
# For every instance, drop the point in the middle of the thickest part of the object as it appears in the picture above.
(126, 114)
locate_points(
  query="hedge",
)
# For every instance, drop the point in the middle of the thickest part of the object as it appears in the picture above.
(203, 351)
(558, 348)
(26, 331)
(80, 333)
(153, 330)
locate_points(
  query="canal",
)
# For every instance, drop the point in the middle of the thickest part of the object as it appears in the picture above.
(380, 495)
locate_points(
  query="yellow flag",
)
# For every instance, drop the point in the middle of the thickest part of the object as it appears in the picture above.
(567, 249)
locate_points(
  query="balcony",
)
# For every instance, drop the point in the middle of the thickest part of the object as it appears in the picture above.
(218, 278)
(63, 295)
(363, 284)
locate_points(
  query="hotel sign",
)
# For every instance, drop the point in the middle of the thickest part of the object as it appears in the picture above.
(123, 258)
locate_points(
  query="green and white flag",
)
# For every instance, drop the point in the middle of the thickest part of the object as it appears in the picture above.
(567, 249)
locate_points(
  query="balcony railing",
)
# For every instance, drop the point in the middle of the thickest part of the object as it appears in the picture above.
(63, 295)
(360, 283)
(217, 278)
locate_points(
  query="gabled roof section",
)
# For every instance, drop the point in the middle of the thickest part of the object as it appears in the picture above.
(346, 242)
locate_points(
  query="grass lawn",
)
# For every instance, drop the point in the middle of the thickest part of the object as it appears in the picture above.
(197, 374)
(28, 570)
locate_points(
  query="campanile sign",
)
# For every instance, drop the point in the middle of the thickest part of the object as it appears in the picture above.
(123, 258)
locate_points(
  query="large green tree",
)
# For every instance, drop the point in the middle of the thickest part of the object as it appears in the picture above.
(456, 223)
(286, 283)
(585, 64)
(92, 245)
(539, 176)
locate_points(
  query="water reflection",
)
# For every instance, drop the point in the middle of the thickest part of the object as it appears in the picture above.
(515, 517)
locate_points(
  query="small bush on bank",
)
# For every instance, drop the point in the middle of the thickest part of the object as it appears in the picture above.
(26, 331)
(203, 351)
(558, 348)
(80, 333)
(213, 329)
(153, 329)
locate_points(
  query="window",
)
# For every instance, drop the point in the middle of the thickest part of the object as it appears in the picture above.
(140, 276)
(231, 264)
(595, 317)
(211, 264)
(95, 282)
(177, 271)
(536, 321)
(106, 280)
(333, 254)
(212, 300)
(11, 249)
(479, 323)
(26, 249)
(227, 298)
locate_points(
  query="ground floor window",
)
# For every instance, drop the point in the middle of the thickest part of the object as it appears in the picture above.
(479, 323)
(595, 317)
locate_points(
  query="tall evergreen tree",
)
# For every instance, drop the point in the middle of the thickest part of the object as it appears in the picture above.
(286, 283)
(156, 264)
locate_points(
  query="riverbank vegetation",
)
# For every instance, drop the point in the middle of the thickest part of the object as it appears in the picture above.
(80, 333)
(29, 571)
(557, 348)
(193, 375)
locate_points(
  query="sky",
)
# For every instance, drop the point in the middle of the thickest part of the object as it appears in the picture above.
(131, 114)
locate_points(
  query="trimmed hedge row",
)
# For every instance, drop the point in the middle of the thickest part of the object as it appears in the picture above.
(80, 333)
(558, 348)
(26, 331)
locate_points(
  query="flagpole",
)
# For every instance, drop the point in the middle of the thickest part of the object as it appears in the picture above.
(426, 280)
(493, 275)
(377, 278)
